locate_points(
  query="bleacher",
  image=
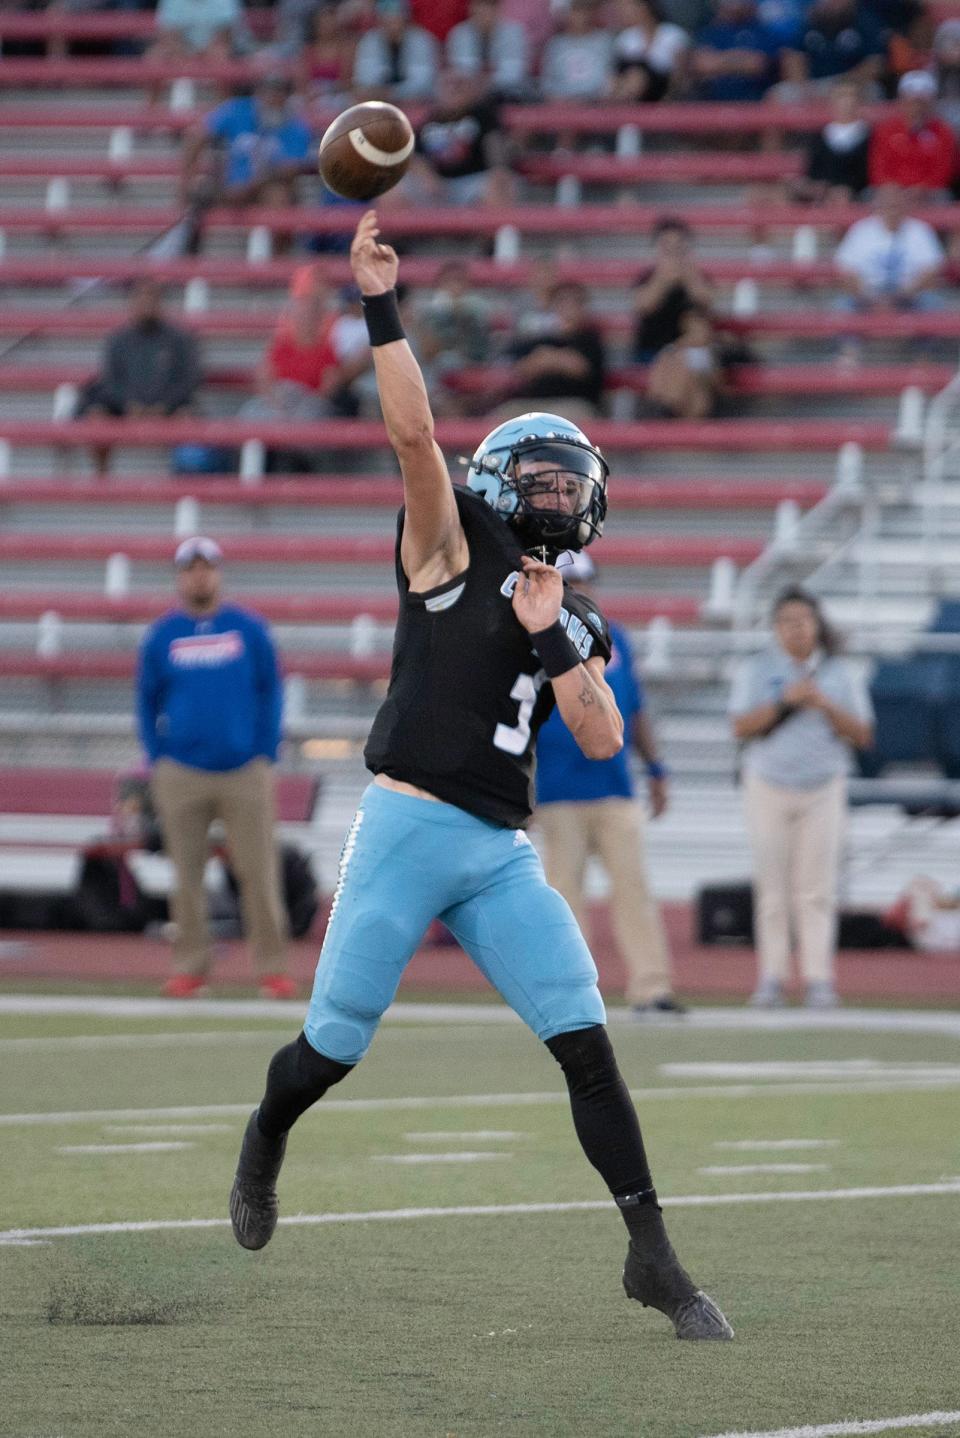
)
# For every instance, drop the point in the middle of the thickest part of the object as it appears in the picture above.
(89, 160)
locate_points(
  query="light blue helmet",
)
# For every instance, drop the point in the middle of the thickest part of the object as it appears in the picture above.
(569, 467)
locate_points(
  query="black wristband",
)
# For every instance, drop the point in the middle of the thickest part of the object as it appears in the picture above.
(382, 317)
(555, 650)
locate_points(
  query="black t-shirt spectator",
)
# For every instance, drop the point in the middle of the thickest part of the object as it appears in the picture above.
(457, 145)
(838, 156)
(587, 342)
(661, 326)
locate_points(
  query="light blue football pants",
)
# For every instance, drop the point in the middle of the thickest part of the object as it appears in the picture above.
(407, 861)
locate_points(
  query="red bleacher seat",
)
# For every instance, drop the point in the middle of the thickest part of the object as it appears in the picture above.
(92, 666)
(652, 550)
(677, 166)
(459, 436)
(351, 491)
(89, 793)
(757, 380)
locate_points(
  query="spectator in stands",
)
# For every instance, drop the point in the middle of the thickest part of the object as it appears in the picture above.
(664, 294)
(350, 342)
(492, 51)
(461, 156)
(452, 331)
(209, 701)
(151, 368)
(735, 56)
(888, 260)
(836, 165)
(587, 808)
(686, 378)
(201, 29)
(945, 67)
(261, 142)
(325, 61)
(650, 55)
(578, 60)
(299, 374)
(799, 710)
(561, 371)
(396, 60)
(915, 148)
(840, 37)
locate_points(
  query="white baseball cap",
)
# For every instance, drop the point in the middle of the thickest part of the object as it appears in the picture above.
(917, 84)
(197, 547)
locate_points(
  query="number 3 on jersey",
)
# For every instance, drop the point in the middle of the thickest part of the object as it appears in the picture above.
(525, 690)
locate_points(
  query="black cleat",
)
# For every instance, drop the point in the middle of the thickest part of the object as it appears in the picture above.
(660, 1281)
(254, 1209)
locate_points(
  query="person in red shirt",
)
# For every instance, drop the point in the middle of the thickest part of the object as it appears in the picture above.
(299, 372)
(914, 149)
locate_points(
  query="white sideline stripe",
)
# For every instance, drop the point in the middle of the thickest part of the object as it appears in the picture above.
(810, 1068)
(163, 1147)
(748, 1144)
(855, 1427)
(740, 1020)
(476, 1100)
(136, 1041)
(727, 1168)
(465, 1156)
(493, 1210)
(154, 1128)
(444, 1136)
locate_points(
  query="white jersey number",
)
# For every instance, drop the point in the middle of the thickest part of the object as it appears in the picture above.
(525, 689)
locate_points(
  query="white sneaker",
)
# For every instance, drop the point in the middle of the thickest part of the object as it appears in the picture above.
(767, 995)
(821, 995)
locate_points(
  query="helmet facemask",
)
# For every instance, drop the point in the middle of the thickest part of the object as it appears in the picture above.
(560, 487)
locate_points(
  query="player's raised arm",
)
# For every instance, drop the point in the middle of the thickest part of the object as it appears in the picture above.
(586, 702)
(433, 547)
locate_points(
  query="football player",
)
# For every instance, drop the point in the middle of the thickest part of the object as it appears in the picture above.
(488, 639)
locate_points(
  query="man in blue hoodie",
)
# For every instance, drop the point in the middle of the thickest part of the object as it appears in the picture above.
(209, 700)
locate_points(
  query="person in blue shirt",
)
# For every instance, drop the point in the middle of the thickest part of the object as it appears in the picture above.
(588, 807)
(263, 145)
(209, 703)
(735, 56)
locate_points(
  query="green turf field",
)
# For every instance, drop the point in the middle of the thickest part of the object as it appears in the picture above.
(498, 1323)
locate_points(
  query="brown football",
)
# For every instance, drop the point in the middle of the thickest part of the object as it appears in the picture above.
(366, 150)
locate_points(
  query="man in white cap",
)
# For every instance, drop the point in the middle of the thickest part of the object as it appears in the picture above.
(588, 808)
(915, 148)
(209, 701)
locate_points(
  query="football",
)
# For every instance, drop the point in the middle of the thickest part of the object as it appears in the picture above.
(366, 150)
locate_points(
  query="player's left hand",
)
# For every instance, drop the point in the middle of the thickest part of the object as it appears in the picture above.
(538, 595)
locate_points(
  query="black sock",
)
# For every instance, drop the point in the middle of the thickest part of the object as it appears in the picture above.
(604, 1116)
(296, 1078)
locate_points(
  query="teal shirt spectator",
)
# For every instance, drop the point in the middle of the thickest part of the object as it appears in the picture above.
(209, 693)
(564, 773)
(255, 145)
(198, 21)
(802, 752)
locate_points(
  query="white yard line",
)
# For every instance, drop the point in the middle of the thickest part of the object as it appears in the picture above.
(855, 1427)
(495, 1210)
(861, 1069)
(445, 1136)
(747, 1145)
(477, 1100)
(153, 1128)
(161, 1147)
(136, 1041)
(464, 1156)
(728, 1168)
(734, 1018)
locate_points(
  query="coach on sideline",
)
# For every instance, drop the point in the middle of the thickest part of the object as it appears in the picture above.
(209, 700)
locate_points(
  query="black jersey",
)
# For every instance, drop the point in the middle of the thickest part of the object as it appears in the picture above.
(467, 692)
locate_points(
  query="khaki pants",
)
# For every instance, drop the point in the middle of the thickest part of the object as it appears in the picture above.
(611, 829)
(795, 835)
(188, 801)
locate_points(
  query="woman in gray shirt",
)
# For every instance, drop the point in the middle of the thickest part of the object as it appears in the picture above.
(798, 708)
